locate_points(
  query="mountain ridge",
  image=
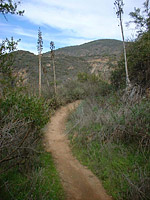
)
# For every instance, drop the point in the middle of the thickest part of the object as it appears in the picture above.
(96, 47)
(92, 57)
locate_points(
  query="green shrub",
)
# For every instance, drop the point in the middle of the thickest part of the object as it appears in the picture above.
(27, 107)
(83, 77)
(26, 171)
(118, 76)
(54, 103)
(71, 91)
(134, 128)
(21, 119)
(138, 64)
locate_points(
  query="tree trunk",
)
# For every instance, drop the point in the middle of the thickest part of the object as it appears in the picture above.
(39, 75)
(55, 89)
(128, 83)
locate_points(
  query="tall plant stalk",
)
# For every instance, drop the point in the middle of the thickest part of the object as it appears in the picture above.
(39, 48)
(52, 48)
(40, 75)
(119, 11)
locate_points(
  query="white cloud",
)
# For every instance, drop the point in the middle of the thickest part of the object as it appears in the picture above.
(75, 41)
(4, 25)
(69, 22)
(27, 47)
(86, 18)
(17, 30)
(25, 32)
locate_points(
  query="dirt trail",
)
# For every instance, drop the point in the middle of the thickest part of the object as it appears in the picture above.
(79, 182)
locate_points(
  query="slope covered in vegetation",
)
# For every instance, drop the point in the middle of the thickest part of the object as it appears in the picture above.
(98, 47)
(92, 57)
(110, 131)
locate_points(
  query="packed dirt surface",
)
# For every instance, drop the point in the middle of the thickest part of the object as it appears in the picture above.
(79, 182)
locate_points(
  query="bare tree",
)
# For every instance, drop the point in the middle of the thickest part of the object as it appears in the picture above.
(39, 48)
(119, 11)
(18, 141)
(52, 48)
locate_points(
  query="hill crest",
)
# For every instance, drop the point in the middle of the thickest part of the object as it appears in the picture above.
(92, 57)
(100, 47)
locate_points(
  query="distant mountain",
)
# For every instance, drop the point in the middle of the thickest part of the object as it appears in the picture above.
(92, 57)
(67, 67)
(104, 47)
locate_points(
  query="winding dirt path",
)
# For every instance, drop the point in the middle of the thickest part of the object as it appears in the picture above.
(79, 182)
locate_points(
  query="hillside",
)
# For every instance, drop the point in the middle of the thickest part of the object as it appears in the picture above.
(104, 47)
(93, 57)
(67, 67)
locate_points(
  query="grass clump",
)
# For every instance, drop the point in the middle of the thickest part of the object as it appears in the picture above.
(42, 183)
(112, 139)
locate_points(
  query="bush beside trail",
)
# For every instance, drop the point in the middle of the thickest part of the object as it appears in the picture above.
(112, 139)
(27, 171)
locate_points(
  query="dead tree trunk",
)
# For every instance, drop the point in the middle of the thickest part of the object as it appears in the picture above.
(125, 55)
(39, 75)
(52, 47)
(119, 11)
(39, 48)
(55, 89)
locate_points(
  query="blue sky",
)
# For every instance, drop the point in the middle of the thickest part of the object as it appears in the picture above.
(66, 22)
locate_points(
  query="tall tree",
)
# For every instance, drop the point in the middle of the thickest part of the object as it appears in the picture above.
(39, 48)
(119, 12)
(52, 48)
